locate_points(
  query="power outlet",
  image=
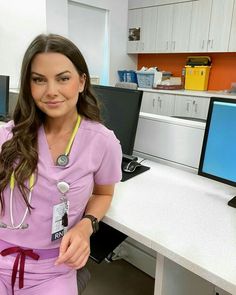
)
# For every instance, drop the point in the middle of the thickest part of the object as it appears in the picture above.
(218, 291)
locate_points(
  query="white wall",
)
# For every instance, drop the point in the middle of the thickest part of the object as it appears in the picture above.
(57, 17)
(118, 24)
(20, 22)
(93, 41)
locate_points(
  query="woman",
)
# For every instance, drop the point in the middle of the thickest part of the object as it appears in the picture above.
(58, 168)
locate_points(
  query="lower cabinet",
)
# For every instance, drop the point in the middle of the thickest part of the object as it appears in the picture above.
(191, 106)
(175, 105)
(158, 103)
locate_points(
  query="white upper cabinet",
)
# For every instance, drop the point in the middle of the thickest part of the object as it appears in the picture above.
(173, 27)
(181, 27)
(134, 30)
(164, 27)
(148, 29)
(200, 26)
(188, 26)
(221, 16)
(232, 41)
(142, 30)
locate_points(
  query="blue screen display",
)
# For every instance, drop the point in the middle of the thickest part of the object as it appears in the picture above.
(220, 150)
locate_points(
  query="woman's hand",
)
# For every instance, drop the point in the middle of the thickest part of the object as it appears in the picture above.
(75, 245)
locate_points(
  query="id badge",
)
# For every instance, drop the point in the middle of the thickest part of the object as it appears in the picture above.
(59, 220)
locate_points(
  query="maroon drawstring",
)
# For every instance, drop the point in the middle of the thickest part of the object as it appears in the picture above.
(20, 257)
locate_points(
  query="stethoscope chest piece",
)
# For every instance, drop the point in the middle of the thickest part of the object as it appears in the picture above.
(62, 160)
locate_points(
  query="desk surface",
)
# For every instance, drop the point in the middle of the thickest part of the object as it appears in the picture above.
(184, 217)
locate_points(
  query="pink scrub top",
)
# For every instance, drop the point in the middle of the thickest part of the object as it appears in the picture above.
(95, 158)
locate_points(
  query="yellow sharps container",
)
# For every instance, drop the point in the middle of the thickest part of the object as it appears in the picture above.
(197, 72)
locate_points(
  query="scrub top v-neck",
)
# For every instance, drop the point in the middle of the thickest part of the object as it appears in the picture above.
(47, 152)
(95, 157)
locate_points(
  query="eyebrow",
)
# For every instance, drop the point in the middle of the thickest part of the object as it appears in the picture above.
(59, 74)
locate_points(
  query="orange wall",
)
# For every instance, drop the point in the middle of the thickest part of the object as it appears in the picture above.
(222, 74)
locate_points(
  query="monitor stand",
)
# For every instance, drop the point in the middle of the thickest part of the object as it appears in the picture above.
(232, 202)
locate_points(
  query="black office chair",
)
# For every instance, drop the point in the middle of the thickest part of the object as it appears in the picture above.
(102, 245)
(83, 277)
(104, 242)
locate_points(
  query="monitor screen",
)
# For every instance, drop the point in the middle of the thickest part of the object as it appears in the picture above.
(4, 96)
(120, 109)
(218, 157)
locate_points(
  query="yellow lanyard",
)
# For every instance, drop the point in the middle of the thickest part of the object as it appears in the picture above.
(73, 135)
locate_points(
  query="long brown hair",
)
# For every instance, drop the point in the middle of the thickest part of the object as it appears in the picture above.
(20, 153)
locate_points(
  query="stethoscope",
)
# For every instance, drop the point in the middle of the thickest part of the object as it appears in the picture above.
(63, 159)
(62, 186)
(21, 225)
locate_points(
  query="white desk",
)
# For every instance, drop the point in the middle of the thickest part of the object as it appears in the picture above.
(183, 217)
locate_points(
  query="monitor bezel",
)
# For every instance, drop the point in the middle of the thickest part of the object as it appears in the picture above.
(6, 81)
(205, 138)
(124, 90)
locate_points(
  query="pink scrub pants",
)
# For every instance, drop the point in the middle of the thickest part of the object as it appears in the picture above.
(40, 277)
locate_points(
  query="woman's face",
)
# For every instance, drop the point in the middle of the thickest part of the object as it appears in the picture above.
(55, 84)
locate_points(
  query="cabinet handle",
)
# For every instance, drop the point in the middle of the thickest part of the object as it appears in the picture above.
(153, 102)
(196, 108)
(187, 107)
(212, 43)
(173, 46)
(166, 45)
(203, 41)
(160, 102)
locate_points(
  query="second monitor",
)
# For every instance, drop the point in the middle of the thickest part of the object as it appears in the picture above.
(120, 109)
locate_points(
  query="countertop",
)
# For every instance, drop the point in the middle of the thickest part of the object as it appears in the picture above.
(210, 93)
(184, 217)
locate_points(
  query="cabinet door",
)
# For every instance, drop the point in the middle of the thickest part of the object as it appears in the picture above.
(191, 106)
(200, 107)
(134, 30)
(164, 28)
(148, 30)
(183, 106)
(158, 103)
(165, 104)
(232, 41)
(200, 22)
(181, 27)
(221, 16)
(149, 103)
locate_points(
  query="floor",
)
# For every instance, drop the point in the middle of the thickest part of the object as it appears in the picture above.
(118, 278)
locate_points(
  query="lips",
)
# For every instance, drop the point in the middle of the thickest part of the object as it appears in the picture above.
(53, 103)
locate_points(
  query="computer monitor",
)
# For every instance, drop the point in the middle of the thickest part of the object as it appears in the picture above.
(120, 109)
(4, 96)
(218, 156)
